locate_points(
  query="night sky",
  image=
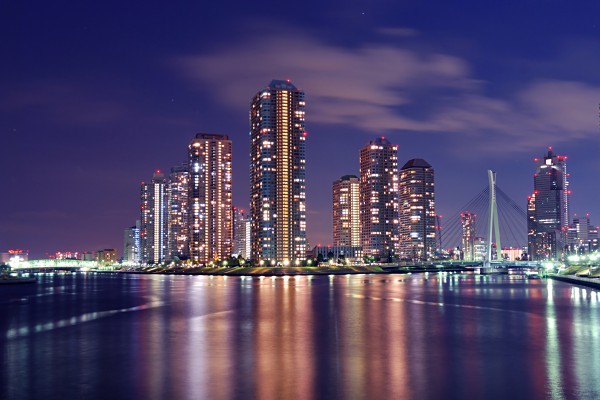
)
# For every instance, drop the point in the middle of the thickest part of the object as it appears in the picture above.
(94, 96)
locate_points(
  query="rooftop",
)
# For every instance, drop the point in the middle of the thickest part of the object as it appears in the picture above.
(281, 85)
(416, 163)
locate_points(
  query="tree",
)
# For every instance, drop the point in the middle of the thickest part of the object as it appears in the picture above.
(319, 258)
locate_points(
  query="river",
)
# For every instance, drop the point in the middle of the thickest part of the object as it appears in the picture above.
(420, 336)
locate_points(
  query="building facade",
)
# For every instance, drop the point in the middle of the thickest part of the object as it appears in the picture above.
(417, 211)
(131, 244)
(277, 174)
(241, 234)
(582, 236)
(153, 220)
(106, 256)
(467, 222)
(346, 211)
(379, 199)
(210, 210)
(548, 216)
(178, 238)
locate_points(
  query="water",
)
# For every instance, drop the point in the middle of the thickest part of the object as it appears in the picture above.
(423, 336)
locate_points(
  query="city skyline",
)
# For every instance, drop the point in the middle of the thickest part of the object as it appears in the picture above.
(81, 109)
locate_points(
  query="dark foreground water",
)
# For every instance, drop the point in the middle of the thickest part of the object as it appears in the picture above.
(116, 336)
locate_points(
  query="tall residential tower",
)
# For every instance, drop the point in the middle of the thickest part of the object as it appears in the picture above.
(178, 227)
(277, 174)
(346, 211)
(379, 198)
(209, 201)
(417, 211)
(153, 220)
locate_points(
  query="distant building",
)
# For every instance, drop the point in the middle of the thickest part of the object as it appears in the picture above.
(89, 256)
(153, 220)
(512, 253)
(66, 255)
(480, 249)
(131, 244)
(582, 236)
(210, 209)
(14, 256)
(549, 214)
(467, 221)
(350, 253)
(346, 211)
(241, 234)
(379, 198)
(178, 237)
(417, 211)
(277, 174)
(107, 256)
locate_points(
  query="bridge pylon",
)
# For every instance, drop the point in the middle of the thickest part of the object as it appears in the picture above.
(493, 226)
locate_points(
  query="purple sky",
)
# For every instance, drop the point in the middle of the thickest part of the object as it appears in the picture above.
(95, 96)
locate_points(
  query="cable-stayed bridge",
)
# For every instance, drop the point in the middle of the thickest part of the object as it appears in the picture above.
(489, 233)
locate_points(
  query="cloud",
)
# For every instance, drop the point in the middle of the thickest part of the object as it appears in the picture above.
(64, 102)
(398, 32)
(385, 88)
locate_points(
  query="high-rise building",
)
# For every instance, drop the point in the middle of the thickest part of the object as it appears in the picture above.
(153, 220)
(131, 244)
(467, 221)
(417, 210)
(549, 215)
(178, 243)
(531, 226)
(582, 235)
(241, 233)
(209, 202)
(346, 211)
(379, 198)
(277, 174)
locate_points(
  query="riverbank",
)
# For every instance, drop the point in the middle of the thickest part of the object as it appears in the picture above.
(593, 283)
(261, 271)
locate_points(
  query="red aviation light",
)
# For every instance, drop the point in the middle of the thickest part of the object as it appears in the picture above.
(304, 133)
(536, 192)
(288, 80)
(158, 171)
(536, 159)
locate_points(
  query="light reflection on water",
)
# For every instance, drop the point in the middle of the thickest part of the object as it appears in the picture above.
(359, 336)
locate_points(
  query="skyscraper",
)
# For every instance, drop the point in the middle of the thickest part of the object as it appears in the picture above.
(346, 211)
(178, 244)
(467, 220)
(379, 198)
(153, 220)
(549, 215)
(417, 210)
(131, 244)
(582, 235)
(241, 233)
(277, 174)
(209, 202)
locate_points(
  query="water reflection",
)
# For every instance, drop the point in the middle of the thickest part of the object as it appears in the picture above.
(360, 336)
